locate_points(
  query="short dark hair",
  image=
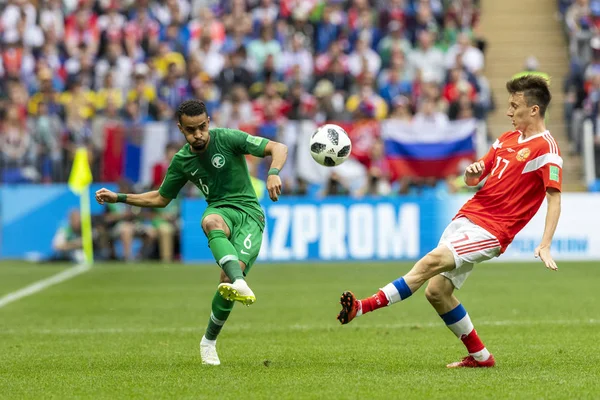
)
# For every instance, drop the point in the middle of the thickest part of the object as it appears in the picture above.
(535, 90)
(190, 108)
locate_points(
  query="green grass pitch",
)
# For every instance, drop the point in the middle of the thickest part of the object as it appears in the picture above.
(132, 331)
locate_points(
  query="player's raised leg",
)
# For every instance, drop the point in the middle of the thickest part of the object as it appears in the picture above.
(439, 293)
(438, 260)
(225, 254)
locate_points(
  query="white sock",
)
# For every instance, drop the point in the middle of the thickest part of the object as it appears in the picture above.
(481, 355)
(208, 342)
(359, 312)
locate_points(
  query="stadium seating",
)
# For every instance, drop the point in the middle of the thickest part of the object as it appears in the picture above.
(100, 73)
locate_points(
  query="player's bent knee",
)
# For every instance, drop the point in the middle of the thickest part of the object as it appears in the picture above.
(214, 222)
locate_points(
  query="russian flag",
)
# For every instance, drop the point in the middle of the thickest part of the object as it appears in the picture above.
(428, 149)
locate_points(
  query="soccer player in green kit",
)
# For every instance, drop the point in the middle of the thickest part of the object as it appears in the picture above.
(214, 161)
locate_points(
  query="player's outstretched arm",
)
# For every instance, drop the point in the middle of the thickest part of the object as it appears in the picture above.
(151, 199)
(278, 151)
(552, 216)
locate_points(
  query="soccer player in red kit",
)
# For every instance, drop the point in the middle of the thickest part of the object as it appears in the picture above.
(522, 167)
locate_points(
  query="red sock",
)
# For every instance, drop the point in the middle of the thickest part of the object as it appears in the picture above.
(472, 342)
(374, 302)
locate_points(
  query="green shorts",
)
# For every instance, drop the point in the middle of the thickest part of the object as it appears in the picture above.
(246, 233)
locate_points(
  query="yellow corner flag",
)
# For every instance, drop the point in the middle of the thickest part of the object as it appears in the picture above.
(79, 182)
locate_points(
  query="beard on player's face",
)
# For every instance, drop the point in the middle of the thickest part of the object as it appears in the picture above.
(195, 130)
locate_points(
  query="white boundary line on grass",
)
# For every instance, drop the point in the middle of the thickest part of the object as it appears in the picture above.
(43, 284)
(284, 328)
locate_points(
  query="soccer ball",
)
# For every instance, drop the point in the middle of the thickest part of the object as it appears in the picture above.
(330, 145)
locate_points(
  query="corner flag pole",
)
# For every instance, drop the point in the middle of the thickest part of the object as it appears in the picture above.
(79, 182)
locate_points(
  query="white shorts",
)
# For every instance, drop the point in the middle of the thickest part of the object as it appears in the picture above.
(470, 244)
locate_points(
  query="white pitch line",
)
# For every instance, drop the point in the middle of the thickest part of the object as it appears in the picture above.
(282, 328)
(43, 284)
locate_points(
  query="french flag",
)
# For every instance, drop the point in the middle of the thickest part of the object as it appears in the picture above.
(420, 149)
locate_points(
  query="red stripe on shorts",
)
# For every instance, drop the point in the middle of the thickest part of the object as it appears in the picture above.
(478, 248)
(479, 243)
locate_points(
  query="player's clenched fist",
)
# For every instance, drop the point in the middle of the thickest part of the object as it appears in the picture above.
(105, 196)
(274, 187)
(475, 170)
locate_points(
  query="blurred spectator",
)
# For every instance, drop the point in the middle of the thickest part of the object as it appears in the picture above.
(401, 109)
(52, 18)
(393, 86)
(428, 118)
(366, 103)
(336, 186)
(532, 67)
(378, 172)
(426, 58)
(424, 21)
(16, 148)
(259, 49)
(393, 11)
(270, 101)
(236, 38)
(235, 72)
(82, 28)
(236, 111)
(394, 40)
(165, 226)
(298, 56)
(338, 76)
(164, 222)
(166, 56)
(111, 23)
(47, 131)
(457, 84)
(329, 26)
(485, 97)
(471, 57)
(114, 60)
(126, 223)
(238, 19)
(330, 105)
(265, 13)
(299, 104)
(363, 60)
(208, 54)
(141, 34)
(173, 88)
(170, 11)
(109, 93)
(67, 242)
(463, 106)
(365, 29)
(577, 19)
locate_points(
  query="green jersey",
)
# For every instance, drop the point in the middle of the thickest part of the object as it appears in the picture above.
(220, 172)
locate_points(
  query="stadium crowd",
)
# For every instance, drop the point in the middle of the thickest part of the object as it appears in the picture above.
(581, 21)
(71, 70)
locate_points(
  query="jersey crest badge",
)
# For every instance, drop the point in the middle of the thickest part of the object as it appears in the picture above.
(218, 160)
(523, 154)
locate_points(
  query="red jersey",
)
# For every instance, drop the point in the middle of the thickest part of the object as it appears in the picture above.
(518, 173)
